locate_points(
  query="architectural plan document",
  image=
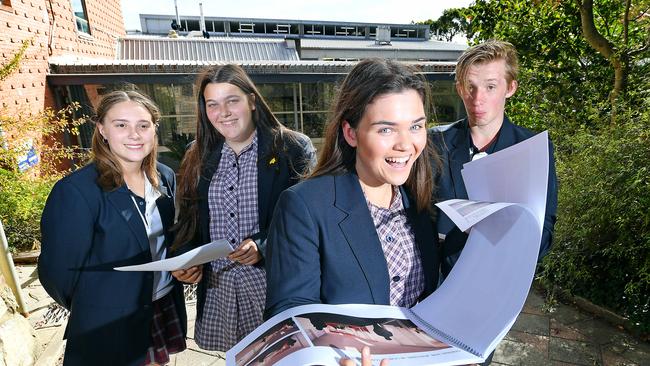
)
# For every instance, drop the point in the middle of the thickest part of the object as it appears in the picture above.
(467, 316)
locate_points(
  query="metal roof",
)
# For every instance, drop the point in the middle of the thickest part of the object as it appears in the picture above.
(68, 71)
(201, 49)
(363, 44)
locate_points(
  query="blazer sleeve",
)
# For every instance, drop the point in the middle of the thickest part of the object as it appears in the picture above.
(293, 260)
(67, 231)
(550, 215)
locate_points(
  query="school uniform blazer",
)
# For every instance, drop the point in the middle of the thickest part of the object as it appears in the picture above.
(452, 144)
(323, 247)
(275, 173)
(87, 231)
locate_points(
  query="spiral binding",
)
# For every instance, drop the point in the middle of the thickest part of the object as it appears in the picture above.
(441, 335)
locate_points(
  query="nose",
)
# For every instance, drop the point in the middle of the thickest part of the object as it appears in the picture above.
(133, 132)
(402, 141)
(477, 96)
(224, 111)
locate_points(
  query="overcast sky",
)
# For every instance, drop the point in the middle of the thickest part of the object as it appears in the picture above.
(367, 11)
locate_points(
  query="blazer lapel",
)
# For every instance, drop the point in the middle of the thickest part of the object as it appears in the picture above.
(506, 137)
(268, 168)
(210, 166)
(361, 235)
(459, 155)
(121, 200)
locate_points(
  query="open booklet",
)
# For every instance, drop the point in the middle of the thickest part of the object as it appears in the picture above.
(467, 316)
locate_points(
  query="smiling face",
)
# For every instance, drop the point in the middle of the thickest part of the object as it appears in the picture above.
(486, 92)
(388, 139)
(130, 133)
(230, 112)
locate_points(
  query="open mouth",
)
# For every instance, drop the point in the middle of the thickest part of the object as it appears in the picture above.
(134, 147)
(398, 162)
(229, 122)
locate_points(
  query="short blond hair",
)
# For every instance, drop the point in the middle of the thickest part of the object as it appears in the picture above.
(488, 51)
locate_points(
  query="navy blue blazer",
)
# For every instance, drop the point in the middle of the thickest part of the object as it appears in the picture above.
(323, 247)
(453, 143)
(87, 231)
(275, 173)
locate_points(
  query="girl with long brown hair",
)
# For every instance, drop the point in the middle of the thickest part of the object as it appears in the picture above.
(116, 211)
(359, 229)
(230, 179)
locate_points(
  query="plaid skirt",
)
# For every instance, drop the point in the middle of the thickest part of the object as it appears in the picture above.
(166, 332)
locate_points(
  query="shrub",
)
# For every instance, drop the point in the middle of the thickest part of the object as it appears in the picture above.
(23, 192)
(602, 238)
(21, 202)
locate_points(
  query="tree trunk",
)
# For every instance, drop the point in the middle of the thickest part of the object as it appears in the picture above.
(599, 43)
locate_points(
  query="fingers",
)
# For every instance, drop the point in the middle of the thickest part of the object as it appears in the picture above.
(189, 275)
(246, 253)
(366, 359)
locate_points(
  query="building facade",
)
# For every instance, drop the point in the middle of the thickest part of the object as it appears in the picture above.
(53, 28)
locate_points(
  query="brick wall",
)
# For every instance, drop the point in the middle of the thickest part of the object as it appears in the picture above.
(50, 26)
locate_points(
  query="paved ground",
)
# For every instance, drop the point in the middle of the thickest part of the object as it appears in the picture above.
(565, 336)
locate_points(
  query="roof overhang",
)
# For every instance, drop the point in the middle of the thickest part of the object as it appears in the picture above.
(91, 71)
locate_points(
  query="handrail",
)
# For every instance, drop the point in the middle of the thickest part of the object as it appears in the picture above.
(9, 272)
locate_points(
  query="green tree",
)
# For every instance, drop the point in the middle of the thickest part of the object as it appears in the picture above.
(451, 23)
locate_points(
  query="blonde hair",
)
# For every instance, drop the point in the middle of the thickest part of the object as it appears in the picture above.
(488, 51)
(110, 172)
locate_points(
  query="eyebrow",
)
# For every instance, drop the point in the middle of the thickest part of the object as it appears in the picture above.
(127, 121)
(390, 123)
(226, 97)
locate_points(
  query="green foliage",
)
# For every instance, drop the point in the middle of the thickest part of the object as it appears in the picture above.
(23, 193)
(602, 240)
(21, 202)
(13, 64)
(452, 22)
(602, 237)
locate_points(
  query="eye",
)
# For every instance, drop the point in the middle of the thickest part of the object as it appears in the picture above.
(120, 125)
(385, 130)
(144, 126)
(232, 101)
(417, 127)
(491, 87)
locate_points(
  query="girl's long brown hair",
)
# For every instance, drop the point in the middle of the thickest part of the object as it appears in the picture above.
(110, 172)
(207, 138)
(369, 79)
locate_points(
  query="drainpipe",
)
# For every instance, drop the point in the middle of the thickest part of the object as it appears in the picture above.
(9, 272)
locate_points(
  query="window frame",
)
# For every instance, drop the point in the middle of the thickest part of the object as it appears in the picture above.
(81, 31)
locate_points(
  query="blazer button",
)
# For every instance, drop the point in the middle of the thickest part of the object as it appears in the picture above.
(396, 278)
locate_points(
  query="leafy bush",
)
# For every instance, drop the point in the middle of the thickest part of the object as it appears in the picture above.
(602, 238)
(21, 202)
(23, 193)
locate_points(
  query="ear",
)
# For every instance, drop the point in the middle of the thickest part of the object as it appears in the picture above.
(512, 88)
(100, 128)
(251, 100)
(349, 134)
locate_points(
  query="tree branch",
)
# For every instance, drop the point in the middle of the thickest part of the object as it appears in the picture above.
(591, 34)
(626, 22)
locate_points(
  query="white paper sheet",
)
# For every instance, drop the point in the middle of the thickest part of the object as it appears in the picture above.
(489, 283)
(203, 254)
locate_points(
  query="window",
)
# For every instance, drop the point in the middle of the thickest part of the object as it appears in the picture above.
(81, 16)
(5, 5)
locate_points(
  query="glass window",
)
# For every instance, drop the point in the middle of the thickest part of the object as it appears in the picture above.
(6, 2)
(81, 16)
